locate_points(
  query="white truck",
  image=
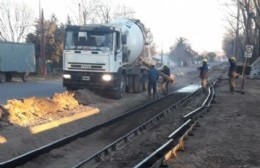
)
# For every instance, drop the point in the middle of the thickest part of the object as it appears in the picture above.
(16, 59)
(105, 57)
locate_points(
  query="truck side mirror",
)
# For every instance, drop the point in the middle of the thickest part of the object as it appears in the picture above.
(124, 39)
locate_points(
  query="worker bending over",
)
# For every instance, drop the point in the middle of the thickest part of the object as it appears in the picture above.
(165, 82)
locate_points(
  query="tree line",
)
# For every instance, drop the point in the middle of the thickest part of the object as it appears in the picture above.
(18, 24)
(243, 28)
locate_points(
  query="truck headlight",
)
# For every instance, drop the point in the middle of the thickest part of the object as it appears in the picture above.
(66, 76)
(107, 77)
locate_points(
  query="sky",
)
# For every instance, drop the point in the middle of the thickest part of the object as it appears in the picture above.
(201, 22)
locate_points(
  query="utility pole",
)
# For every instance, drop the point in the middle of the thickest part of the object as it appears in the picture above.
(237, 32)
(42, 42)
(80, 22)
(42, 45)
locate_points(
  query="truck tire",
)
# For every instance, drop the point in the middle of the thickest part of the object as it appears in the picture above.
(130, 84)
(2, 77)
(8, 77)
(24, 77)
(120, 93)
(71, 89)
(145, 82)
(138, 84)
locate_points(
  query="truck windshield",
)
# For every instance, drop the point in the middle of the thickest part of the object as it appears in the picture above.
(82, 40)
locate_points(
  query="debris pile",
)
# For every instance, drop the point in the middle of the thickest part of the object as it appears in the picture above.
(28, 110)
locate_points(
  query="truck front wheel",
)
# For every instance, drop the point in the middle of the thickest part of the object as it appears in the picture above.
(71, 89)
(138, 84)
(130, 84)
(120, 93)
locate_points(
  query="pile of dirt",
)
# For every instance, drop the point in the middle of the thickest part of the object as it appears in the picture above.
(86, 97)
(26, 111)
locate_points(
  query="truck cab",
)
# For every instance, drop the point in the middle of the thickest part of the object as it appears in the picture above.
(92, 56)
(100, 56)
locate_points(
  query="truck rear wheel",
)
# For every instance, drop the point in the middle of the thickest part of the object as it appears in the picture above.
(24, 77)
(2, 77)
(138, 84)
(71, 89)
(8, 77)
(130, 84)
(145, 82)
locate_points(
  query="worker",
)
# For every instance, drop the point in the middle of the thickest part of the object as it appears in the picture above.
(165, 82)
(153, 76)
(232, 73)
(204, 75)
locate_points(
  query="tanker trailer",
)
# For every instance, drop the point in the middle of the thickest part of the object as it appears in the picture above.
(105, 57)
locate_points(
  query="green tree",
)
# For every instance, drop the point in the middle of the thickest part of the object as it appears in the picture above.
(53, 35)
(211, 56)
(182, 53)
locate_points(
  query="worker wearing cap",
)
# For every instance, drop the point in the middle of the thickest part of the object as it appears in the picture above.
(232, 73)
(153, 76)
(165, 82)
(204, 75)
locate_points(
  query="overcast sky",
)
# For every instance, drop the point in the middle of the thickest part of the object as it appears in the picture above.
(199, 21)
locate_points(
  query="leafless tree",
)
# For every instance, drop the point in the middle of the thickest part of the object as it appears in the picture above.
(104, 12)
(122, 11)
(247, 31)
(87, 10)
(83, 12)
(98, 11)
(16, 20)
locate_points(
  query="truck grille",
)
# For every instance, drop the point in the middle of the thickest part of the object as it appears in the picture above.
(88, 66)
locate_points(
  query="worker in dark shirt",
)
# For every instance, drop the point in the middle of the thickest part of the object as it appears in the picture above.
(204, 75)
(153, 76)
(165, 82)
(232, 73)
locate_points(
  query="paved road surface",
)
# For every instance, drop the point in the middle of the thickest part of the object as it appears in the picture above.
(18, 90)
(47, 88)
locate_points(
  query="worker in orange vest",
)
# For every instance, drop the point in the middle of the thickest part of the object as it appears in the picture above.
(204, 75)
(232, 73)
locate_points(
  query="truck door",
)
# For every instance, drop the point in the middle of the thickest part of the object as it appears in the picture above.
(118, 48)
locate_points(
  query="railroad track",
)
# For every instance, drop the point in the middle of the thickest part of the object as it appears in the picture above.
(176, 138)
(96, 144)
(102, 131)
(149, 150)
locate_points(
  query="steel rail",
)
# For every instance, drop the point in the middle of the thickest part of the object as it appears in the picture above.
(24, 158)
(158, 153)
(190, 121)
(196, 111)
(124, 139)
